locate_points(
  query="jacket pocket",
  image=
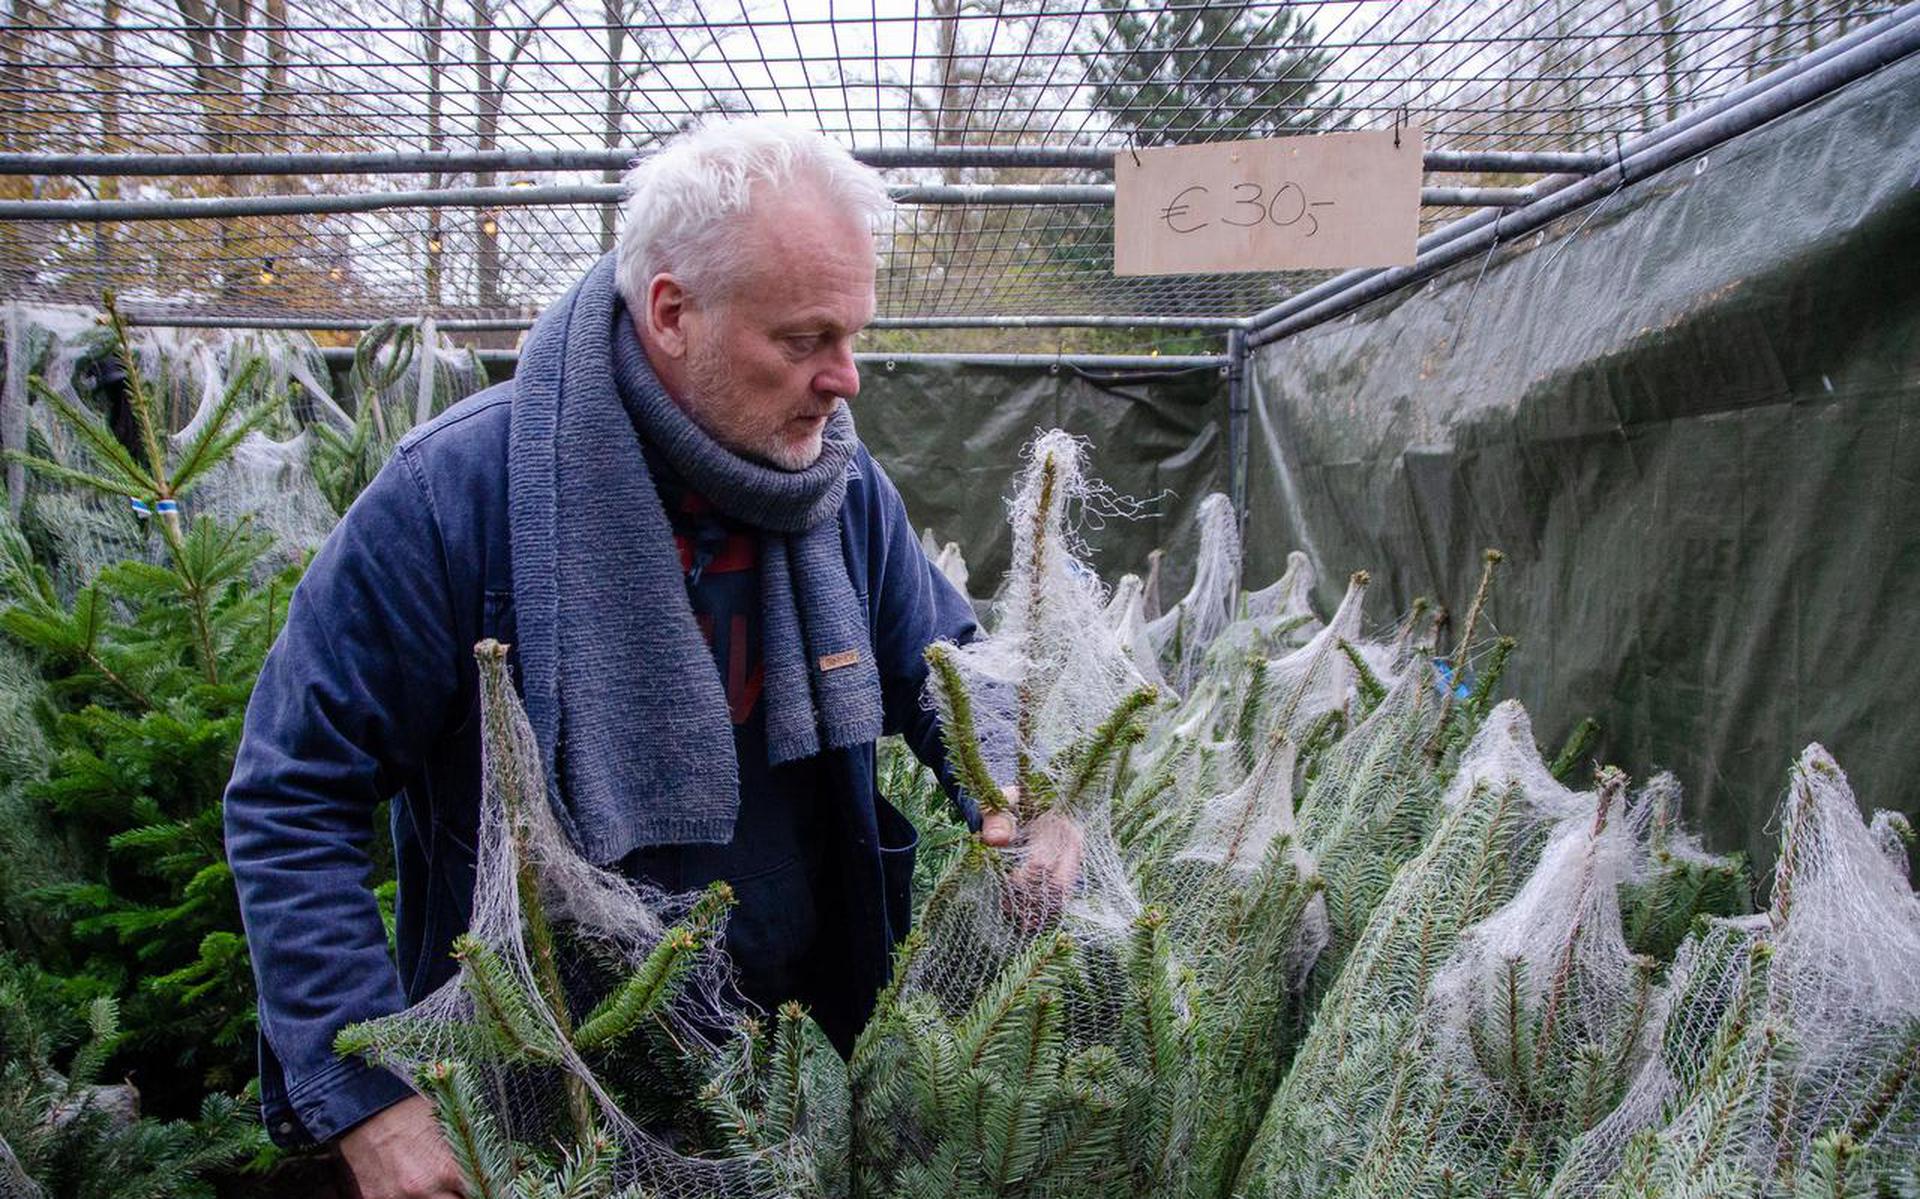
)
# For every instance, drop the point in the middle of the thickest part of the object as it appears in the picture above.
(772, 930)
(899, 845)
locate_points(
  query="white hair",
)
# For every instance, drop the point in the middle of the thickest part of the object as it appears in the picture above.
(687, 202)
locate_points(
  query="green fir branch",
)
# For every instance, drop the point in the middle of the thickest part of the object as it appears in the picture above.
(958, 731)
(1576, 746)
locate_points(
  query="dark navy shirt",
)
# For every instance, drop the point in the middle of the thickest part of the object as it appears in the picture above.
(774, 862)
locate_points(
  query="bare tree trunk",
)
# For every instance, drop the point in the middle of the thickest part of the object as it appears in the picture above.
(948, 119)
(217, 40)
(613, 112)
(197, 20)
(491, 86)
(107, 85)
(16, 135)
(275, 122)
(1673, 61)
(433, 18)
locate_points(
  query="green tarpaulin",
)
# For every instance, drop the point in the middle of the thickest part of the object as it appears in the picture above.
(950, 437)
(1691, 417)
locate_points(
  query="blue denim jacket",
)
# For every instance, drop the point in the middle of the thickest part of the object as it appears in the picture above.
(370, 693)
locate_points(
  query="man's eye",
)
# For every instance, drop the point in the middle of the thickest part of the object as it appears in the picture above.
(803, 343)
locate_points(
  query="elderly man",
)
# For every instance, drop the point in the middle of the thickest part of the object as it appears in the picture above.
(716, 605)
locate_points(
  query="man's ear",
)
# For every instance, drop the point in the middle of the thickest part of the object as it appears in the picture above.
(666, 314)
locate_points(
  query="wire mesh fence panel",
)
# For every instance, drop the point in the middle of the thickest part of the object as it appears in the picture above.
(520, 116)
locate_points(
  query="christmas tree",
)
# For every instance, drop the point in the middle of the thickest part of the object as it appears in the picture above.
(590, 1044)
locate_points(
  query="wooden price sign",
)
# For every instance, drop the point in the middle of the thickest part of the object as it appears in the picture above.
(1286, 203)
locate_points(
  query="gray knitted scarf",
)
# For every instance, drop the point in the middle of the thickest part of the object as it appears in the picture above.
(621, 690)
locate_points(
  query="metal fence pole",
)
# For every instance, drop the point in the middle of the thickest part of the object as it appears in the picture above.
(451, 162)
(1146, 363)
(180, 208)
(1237, 410)
(164, 319)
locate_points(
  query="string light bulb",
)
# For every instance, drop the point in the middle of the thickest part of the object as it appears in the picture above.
(489, 226)
(266, 272)
(433, 245)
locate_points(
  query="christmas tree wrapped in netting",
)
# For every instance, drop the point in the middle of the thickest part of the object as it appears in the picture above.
(1203, 746)
(1287, 597)
(78, 364)
(1121, 1040)
(1126, 615)
(266, 477)
(1711, 994)
(1182, 634)
(591, 1043)
(1273, 620)
(1671, 878)
(1493, 823)
(404, 373)
(1528, 1033)
(66, 353)
(1788, 1059)
(1375, 795)
(1008, 1054)
(1247, 920)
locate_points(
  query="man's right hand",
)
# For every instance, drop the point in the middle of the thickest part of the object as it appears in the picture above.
(400, 1154)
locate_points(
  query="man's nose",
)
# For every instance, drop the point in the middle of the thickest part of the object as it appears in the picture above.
(841, 377)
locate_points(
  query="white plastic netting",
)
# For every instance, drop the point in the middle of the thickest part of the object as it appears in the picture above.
(1273, 620)
(1788, 1050)
(1670, 877)
(1492, 827)
(1049, 673)
(1288, 596)
(1304, 686)
(73, 356)
(1893, 833)
(1713, 976)
(82, 532)
(405, 373)
(998, 1053)
(1126, 616)
(1045, 1044)
(289, 477)
(269, 479)
(1181, 636)
(1527, 1034)
(593, 1020)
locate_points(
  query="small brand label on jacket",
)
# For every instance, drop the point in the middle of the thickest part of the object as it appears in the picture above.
(846, 657)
